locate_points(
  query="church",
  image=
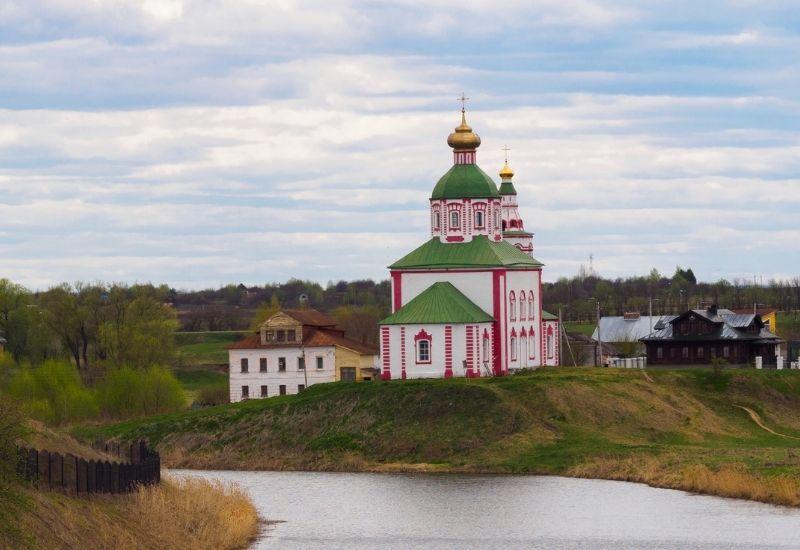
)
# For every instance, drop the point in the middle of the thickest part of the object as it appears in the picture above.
(468, 302)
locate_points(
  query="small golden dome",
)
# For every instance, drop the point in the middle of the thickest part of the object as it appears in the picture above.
(506, 172)
(464, 138)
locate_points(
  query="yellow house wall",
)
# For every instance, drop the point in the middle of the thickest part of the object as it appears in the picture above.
(772, 320)
(349, 358)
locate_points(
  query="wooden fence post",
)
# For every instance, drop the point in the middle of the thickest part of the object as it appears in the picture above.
(70, 474)
(82, 476)
(56, 471)
(91, 477)
(43, 467)
(107, 476)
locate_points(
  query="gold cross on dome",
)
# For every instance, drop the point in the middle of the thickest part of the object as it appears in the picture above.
(506, 149)
(463, 99)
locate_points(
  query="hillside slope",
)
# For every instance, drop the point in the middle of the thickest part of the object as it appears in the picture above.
(668, 428)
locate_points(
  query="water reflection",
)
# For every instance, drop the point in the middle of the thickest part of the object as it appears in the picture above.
(330, 510)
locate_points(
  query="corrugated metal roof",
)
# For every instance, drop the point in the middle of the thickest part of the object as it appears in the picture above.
(440, 303)
(619, 329)
(479, 252)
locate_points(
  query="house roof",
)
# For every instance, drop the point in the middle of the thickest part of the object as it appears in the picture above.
(312, 337)
(440, 303)
(763, 311)
(310, 317)
(620, 329)
(465, 181)
(479, 252)
(730, 327)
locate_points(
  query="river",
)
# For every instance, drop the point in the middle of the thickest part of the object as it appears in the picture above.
(337, 510)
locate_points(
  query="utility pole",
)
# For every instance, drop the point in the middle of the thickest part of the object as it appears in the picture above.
(566, 338)
(599, 337)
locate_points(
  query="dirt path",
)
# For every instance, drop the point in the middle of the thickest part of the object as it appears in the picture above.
(757, 419)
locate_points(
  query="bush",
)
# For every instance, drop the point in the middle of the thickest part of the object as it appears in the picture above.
(53, 393)
(128, 392)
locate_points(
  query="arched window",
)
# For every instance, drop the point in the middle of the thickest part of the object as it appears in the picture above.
(550, 348)
(486, 346)
(422, 343)
(513, 348)
(496, 219)
(437, 220)
(522, 305)
(532, 344)
(479, 218)
(530, 306)
(453, 219)
(512, 306)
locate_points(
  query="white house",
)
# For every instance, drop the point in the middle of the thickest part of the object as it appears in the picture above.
(468, 301)
(292, 350)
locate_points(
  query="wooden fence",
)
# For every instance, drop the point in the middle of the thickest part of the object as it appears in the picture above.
(79, 476)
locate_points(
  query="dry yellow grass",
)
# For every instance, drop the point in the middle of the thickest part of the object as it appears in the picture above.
(175, 515)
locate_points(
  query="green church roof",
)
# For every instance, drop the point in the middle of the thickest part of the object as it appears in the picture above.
(465, 181)
(440, 303)
(507, 188)
(547, 316)
(479, 252)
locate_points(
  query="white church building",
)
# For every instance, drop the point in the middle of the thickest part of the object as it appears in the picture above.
(468, 301)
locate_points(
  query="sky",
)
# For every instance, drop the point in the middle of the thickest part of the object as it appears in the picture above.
(204, 142)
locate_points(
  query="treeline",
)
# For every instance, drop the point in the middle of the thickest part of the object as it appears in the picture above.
(96, 326)
(576, 296)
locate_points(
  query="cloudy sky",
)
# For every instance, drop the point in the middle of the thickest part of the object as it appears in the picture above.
(205, 142)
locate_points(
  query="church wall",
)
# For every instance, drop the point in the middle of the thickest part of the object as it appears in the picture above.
(528, 350)
(475, 285)
(552, 344)
(273, 379)
(444, 359)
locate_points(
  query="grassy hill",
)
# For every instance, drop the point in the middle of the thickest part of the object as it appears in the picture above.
(668, 428)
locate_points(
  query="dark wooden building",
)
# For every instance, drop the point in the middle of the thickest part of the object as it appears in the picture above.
(700, 335)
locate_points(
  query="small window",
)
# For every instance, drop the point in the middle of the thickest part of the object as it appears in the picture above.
(512, 307)
(726, 351)
(263, 391)
(270, 336)
(245, 392)
(453, 219)
(282, 389)
(437, 220)
(659, 352)
(281, 334)
(532, 344)
(479, 218)
(523, 305)
(300, 387)
(685, 352)
(291, 335)
(281, 364)
(424, 351)
(530, 306)
(485, 348)
(301, 363)
(320, 364)
(700, 352)
(262, 364)
(244, 364)
(513, 348)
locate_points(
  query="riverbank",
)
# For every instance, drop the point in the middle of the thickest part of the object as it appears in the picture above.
(175, 514)
(673, 429)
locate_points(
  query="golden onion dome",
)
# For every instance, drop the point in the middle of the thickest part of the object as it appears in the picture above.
(506, 172)
(464, 138)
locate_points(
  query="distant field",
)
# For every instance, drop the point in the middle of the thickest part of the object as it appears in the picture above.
(205, 348)
(582, 328)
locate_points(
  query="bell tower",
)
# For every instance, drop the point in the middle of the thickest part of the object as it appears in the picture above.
(512, 226)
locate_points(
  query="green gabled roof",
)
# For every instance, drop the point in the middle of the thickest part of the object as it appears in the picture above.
(465, 181)
(440, 303)
(517, 233)
(547, 316)
(479, 252)
(507, 188)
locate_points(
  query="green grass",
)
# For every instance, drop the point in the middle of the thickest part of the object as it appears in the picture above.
(550, 422)
(205, 348)
(581, 328)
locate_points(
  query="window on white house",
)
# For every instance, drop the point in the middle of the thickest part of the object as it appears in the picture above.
(523, 346)
(270, 336)
(319, 363)
(532, 344)
(479, 218)
(486, 348)
(245, 364)
(513, 348)
(291, 335)
(281, 335)
(437, 220)
(282, 389)
(423, 351)
(512, 307)
(281, 364)
(454, 219)
(262, 364)
(263, 391)
(301, 363)
(550, 346)
(245, 392)
(530, 306)
(300, 387)
(523, 305)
